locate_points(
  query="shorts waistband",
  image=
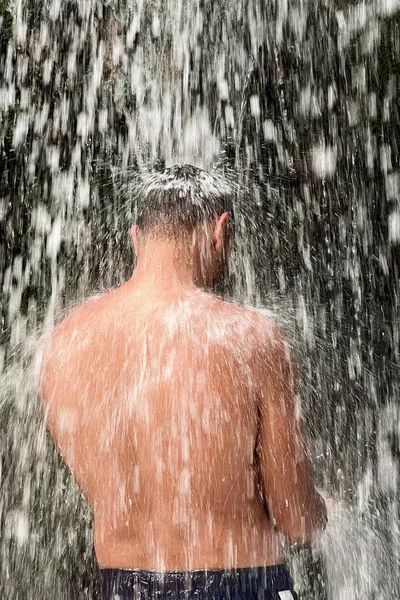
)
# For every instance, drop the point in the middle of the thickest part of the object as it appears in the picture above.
(248, 582)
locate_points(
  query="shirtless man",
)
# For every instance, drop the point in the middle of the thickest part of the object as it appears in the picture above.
(178, 415)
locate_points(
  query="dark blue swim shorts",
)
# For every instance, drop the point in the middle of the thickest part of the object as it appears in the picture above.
(255, 583)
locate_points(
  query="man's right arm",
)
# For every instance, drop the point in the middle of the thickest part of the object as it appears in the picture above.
(284, 465)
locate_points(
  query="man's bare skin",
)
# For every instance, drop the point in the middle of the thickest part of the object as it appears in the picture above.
(173, 409)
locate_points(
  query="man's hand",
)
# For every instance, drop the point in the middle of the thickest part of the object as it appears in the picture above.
(330, 505)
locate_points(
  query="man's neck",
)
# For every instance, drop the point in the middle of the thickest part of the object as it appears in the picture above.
(164, 266)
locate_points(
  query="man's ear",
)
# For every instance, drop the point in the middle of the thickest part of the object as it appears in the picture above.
(219, 231)
(135, 239)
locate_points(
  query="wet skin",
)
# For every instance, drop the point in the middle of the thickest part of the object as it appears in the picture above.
(178, 415)
(173, 411)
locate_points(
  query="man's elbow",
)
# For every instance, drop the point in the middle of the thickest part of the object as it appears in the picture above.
(302, 534)
(302, 527)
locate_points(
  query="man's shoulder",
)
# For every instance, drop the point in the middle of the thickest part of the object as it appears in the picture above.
(87, 313)
(258, 315)
(70, 340)
(257, 321)
(80, 324)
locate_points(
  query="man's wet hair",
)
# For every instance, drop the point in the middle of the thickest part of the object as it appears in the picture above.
(182, 198)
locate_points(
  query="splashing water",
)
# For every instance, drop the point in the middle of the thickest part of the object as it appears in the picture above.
(295, 102)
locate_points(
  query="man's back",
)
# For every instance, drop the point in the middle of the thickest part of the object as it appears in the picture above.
(177, 413)
(154, 405)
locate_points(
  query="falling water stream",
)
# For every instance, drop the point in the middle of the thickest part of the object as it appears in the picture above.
(297, 103)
